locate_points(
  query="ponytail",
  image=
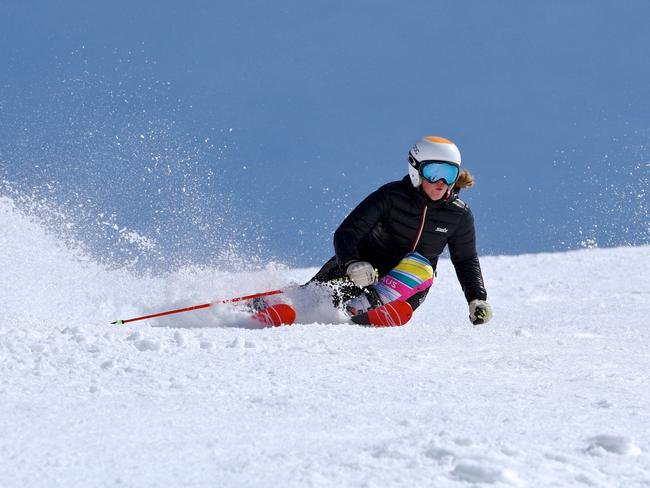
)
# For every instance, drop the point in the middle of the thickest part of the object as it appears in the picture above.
(465, 180)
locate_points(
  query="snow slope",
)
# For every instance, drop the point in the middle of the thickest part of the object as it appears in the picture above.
(553, 392)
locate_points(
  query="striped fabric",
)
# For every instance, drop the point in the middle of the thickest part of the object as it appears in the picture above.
(413, 274)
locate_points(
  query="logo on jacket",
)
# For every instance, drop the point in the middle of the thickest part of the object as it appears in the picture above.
(441, 229)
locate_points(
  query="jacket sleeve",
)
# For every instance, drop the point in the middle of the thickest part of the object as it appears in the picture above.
(358, 225)
(462, 250)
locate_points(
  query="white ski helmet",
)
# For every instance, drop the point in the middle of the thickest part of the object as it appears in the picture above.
(431, 148)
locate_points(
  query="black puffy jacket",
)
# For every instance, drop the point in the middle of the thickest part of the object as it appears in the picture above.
(387, 225)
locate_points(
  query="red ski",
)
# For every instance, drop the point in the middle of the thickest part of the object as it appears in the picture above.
(276, 315)
(395, 313)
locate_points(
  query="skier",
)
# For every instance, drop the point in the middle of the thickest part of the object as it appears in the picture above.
(387, 248)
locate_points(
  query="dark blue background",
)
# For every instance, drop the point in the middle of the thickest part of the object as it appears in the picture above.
(222, 129)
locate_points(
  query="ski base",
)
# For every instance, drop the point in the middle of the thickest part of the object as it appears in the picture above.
(393, 314)
(276, 315)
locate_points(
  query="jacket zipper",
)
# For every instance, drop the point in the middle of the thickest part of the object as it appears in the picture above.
(423, 218)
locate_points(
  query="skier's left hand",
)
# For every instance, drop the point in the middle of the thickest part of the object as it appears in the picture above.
(480, 312)
(362, 273)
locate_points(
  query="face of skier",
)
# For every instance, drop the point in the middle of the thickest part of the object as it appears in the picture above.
(435, 191)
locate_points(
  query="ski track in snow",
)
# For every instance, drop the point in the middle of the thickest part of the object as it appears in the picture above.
(553, 393)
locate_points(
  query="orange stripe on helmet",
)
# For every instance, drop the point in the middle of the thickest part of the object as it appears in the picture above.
(438, 139)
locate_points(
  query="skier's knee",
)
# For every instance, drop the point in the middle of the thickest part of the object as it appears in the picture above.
(418, 268)
(413, 274)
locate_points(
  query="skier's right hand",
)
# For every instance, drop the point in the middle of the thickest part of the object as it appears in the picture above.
(362, 273)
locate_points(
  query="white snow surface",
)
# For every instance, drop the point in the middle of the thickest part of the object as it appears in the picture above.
(554, 392)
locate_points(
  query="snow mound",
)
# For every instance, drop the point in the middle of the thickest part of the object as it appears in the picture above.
(474, 473)
(614, 444)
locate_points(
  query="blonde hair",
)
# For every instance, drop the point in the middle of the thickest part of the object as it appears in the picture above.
(465, 180)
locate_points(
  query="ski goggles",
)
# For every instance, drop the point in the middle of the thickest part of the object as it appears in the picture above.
(434, 171)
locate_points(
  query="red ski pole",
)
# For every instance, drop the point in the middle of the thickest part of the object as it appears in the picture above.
(198, 307)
